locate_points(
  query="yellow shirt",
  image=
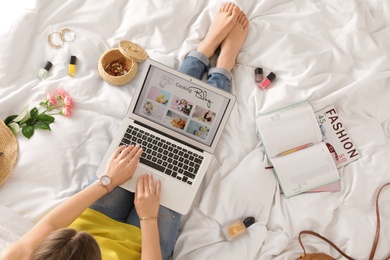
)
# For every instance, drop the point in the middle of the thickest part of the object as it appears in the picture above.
(117, 240)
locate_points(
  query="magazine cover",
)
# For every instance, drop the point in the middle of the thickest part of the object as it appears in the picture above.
(336, 137)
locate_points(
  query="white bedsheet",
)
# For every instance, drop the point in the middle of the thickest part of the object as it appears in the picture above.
(12, 226)
(326, 51)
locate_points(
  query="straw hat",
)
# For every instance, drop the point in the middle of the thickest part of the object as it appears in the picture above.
(8, 152)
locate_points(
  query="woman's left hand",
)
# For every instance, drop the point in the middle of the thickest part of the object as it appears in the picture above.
(147, 196)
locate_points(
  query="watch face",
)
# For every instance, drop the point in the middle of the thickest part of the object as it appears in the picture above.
(105, 180)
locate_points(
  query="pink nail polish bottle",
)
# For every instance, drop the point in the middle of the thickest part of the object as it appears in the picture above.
(267, 81)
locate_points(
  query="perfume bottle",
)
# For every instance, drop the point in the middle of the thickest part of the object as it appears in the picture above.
(42, 73)
(237, 228)
(72, 66)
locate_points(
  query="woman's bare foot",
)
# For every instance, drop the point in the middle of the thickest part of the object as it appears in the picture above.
(232, 44)
(223, 22)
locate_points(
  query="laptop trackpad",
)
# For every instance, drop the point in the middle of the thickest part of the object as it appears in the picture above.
(132, 183)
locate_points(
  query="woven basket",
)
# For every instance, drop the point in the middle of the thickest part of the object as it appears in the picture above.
(129, 54)
(133, 50)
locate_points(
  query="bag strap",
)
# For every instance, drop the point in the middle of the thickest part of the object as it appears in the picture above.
(378, 225)
(323, 238)
(376, 239)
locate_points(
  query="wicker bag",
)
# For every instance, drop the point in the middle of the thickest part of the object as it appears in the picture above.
(128, 54)
(316, 256)
(323, 256)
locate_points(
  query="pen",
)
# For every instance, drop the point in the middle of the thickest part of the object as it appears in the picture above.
(294, 149)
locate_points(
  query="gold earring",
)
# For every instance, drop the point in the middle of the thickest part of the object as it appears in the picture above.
(67, 35)
(50, 40)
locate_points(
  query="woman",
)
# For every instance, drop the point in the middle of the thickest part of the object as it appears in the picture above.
(51, 239)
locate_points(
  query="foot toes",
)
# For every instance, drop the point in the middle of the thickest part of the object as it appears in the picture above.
(236, 10)
(228, 8)
(242, 19)
(225, 7)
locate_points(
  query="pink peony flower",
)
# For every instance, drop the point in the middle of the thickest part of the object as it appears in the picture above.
(66, 111)
(68, 101)
(51, 99)
(60, 92)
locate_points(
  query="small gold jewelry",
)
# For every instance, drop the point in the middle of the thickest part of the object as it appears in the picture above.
(148, 218)
(64, 35)
(67, 35)
(59, 39)
(116, 68)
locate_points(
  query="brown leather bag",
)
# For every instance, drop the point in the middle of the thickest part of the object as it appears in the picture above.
(323, 256)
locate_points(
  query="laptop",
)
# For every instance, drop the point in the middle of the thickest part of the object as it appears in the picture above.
(178, 121)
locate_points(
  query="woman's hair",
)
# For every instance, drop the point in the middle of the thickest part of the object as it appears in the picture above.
(68, 244)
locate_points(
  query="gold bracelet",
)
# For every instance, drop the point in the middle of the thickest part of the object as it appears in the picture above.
(148, 218)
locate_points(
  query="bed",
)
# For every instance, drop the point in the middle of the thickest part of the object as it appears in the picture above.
(327, 52)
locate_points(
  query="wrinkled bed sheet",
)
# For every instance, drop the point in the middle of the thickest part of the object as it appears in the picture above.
(327, 52)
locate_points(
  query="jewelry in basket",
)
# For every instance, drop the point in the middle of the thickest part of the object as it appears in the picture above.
(118, 66)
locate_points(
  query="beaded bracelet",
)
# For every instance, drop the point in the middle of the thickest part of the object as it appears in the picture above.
(148, 218)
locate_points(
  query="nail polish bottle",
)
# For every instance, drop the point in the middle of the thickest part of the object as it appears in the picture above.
(258, 75)
(72, 66)
(237, 228)
(267, 81)
(42, 73)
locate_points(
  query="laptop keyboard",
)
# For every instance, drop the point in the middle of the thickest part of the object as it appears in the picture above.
(163, 155)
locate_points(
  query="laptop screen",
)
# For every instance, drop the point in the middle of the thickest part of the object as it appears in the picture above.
(181, 105)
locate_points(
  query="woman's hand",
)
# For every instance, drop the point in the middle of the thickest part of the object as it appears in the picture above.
(123, 164)
(147, 196)
(147, 202)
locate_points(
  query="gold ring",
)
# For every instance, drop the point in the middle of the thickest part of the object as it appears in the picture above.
(50, 40)
(67, 31)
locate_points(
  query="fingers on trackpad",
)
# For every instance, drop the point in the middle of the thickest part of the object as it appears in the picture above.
(132, 184)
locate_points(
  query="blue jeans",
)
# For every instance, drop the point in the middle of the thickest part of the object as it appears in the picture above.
(119, 205)
(196, 64)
